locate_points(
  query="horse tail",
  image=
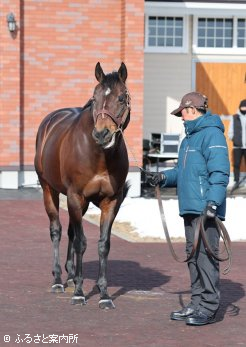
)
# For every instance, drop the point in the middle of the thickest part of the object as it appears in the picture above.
(126, 188)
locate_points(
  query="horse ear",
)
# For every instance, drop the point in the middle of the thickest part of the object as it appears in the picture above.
(99, 73)
(123, 72)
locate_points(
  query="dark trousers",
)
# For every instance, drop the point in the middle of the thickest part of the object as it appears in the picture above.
(238, 154)
(204, 270)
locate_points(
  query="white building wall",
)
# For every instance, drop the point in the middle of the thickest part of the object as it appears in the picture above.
(167, 78)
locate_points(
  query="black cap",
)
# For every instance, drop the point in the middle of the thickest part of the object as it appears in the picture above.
(242, 103)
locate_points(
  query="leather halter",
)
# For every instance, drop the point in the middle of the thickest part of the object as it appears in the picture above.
(120, 119)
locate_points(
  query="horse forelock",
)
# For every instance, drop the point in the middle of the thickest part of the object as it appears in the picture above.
(112, 82)
(111, 79)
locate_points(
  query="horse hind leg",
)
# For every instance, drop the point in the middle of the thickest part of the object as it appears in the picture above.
(51, 202)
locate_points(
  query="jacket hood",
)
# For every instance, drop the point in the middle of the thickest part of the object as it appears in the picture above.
(204, 121)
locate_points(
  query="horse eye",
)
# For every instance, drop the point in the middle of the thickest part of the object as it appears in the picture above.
(121, 98)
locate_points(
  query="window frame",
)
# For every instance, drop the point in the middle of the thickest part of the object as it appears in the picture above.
(181, 49)
(234, 50)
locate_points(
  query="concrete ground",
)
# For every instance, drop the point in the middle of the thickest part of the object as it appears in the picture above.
(144, 281)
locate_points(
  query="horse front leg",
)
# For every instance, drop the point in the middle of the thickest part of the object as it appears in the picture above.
(109, 210)
(79, 246)
(69, 266)
(51, 202)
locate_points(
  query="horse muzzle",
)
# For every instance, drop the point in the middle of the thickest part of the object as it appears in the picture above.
(104, 138)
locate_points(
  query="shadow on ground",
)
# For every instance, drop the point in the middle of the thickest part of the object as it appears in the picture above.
(127, 275)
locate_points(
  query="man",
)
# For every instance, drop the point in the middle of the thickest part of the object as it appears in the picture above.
(237, 133)
(201, 177)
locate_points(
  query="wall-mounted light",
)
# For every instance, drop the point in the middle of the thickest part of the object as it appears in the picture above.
(11, 22)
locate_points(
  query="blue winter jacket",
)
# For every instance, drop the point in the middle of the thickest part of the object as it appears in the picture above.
(202, 172)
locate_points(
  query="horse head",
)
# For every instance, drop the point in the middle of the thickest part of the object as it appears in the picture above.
(110, 106)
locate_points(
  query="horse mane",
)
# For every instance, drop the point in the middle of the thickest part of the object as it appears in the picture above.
(88, 104)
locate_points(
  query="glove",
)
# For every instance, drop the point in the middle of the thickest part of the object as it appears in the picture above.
(154, 179)
(210, 210)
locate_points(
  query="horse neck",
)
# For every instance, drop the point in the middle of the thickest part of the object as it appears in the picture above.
(117, 156)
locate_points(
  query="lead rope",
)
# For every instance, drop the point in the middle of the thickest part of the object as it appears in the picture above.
(164, 225)
(132, 153)
(226, 239)
(200, 230)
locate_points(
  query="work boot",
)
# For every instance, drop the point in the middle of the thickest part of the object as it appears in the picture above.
(182, 314)
(200, 318)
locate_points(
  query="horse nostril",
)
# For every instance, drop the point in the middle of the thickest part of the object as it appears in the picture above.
(105, 132)
(100, 136)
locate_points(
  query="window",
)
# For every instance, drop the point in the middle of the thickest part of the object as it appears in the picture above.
(165, 33)
(215, 32)
(219, 35)
(241, 32)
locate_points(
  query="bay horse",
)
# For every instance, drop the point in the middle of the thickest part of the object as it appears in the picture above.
(81, 153)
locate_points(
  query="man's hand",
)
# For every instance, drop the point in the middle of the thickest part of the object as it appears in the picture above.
(210, 210)
(154, 179)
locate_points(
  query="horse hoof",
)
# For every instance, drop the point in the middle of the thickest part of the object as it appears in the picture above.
(78, 300)
(57, 288)
(106, 304)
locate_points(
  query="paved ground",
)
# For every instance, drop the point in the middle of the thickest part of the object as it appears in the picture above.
(145, 282)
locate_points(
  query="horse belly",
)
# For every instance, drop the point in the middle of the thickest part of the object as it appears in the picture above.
(50, 166)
